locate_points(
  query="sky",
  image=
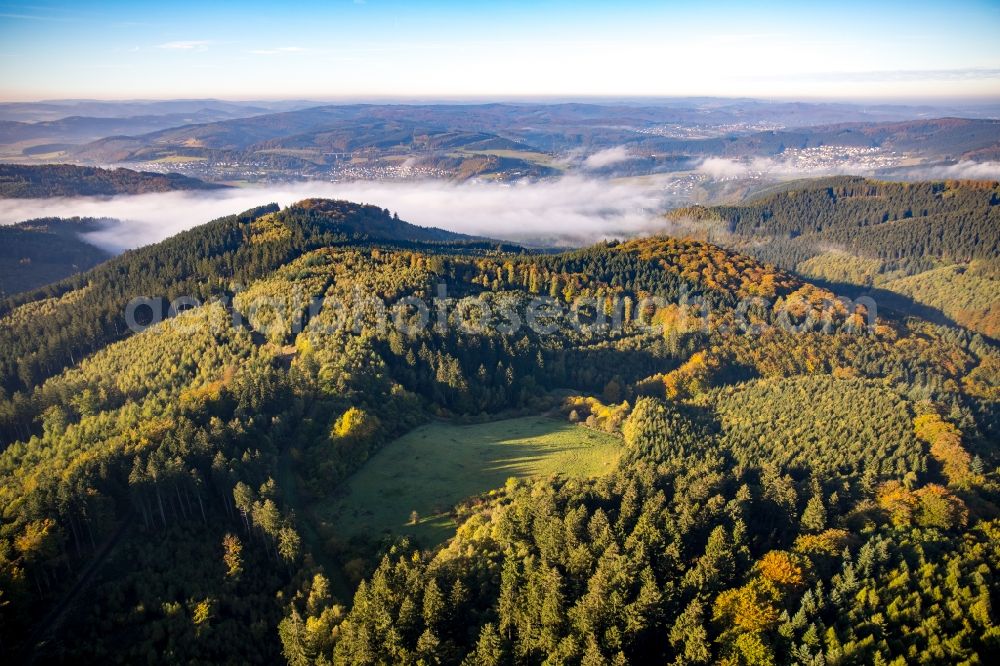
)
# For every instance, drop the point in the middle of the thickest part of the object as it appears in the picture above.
(369, 49)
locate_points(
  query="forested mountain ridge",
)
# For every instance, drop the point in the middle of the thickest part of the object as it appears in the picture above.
(207, 261)
(67, 180)
(952, 220)
(876, 234)
(37, 252)
(816, 491)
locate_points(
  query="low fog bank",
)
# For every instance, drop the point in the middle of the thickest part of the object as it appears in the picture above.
(566, 212)
(963, 170)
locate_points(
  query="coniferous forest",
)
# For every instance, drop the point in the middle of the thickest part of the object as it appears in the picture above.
(794, 479)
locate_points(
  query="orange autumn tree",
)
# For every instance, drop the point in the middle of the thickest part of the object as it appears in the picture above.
(930, 506)
(783, 568)
(945, 442)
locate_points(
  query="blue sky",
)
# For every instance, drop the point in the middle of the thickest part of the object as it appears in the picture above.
(375, 48)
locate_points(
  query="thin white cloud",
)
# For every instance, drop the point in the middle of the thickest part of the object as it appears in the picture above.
(279, 50)
(607, 157)
(961, 74)
(32, 17)
(185, 45)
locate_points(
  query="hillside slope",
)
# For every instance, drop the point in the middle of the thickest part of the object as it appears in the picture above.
(67, 180)
(37, 252)
(202, 261)
(872, 233)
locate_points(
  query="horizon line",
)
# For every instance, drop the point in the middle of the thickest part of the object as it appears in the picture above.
(526, 97)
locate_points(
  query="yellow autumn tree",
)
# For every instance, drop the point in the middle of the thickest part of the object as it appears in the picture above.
(938, 507)
(693, 377)
(783, 568)
(749, 608)
(945, 442)
(39, 541)
(897, 501)
(232, 555)
(930, 506)
(355, 424)
(202, 612)
(827, 542)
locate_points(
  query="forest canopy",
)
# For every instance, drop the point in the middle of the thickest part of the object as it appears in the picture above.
(67, 180)
(824, 492)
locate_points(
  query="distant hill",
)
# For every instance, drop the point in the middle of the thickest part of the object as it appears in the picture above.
(37, 252)
(951, 220)
(310, 133)
(936, 243)
(66, 180)
(556, 127)
(957, 138)
(78, 129)
(58, 109)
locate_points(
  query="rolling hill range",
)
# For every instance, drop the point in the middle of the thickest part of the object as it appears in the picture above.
(552, 128)
(522, 140)
(31, 132)
(82, 129)
(52, 110)
(641, 451)
(953, 138)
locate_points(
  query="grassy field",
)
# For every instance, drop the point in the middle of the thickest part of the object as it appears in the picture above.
(437, 465)
(543, 159)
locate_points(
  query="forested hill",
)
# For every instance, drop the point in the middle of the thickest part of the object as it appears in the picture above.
(370, 222)
(780, 483)
(955, 220)
(66, 180)
(930, 247)
(205, 261)
(37, 252)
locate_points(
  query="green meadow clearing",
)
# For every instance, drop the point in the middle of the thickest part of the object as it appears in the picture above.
(543, 159)
(437, 465)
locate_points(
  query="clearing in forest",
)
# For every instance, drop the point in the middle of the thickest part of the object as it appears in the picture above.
(437, 465)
